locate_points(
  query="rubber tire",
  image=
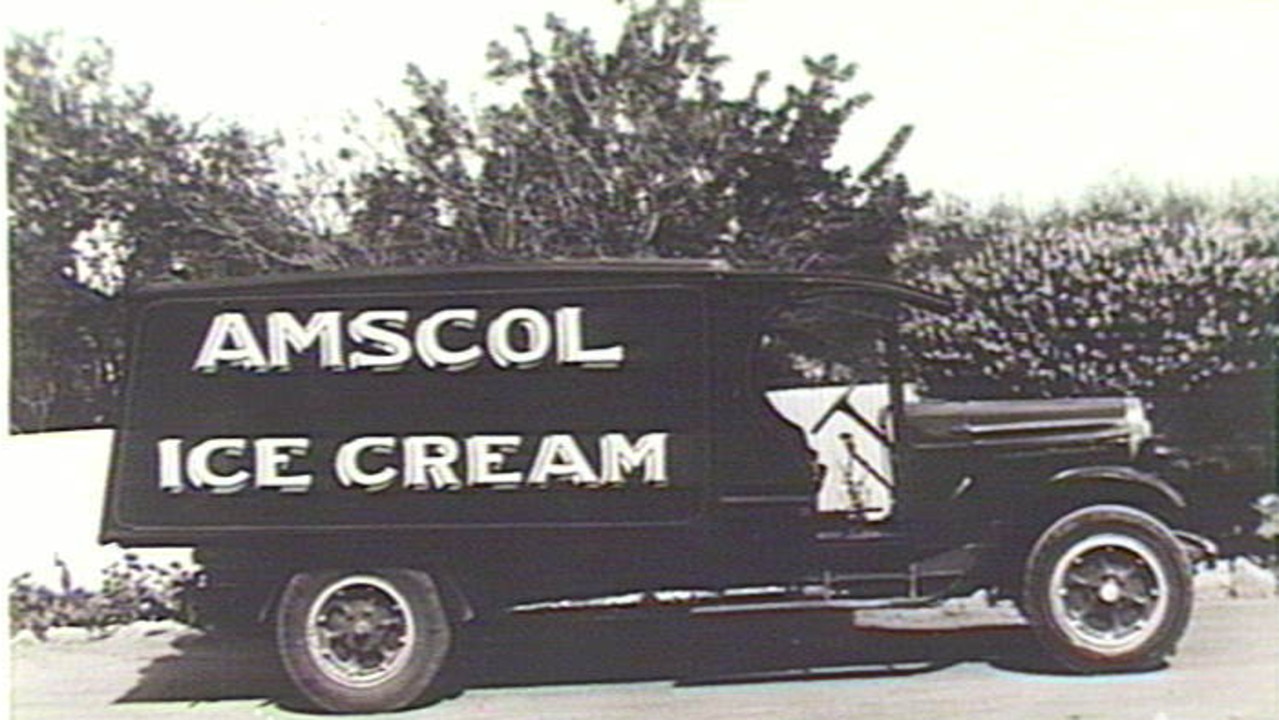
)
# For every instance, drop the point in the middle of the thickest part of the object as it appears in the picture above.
(1070, 531)
(412, 683)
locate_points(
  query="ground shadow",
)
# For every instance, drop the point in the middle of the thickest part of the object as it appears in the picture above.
(549, 651)
(212, 666)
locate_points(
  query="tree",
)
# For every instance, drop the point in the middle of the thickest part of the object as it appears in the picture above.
(635, 151)
(1127, 293)
(107, 192)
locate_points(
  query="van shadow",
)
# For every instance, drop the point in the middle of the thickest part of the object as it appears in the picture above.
(756, 648)
(551, 651)
(212, 666)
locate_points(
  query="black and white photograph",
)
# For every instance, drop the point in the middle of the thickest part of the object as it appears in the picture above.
(620, 359)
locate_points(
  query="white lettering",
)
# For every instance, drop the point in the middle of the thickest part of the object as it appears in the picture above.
(450, 339)
(229, 340)
(560, 456)
(227, 465)
(383, 330)
(570, 351)
(486, 456)
(433, 353)
(619, 456)
(286, 335)
(349, 471)
(271, 460)
(428, 462)
(170, 464)
(200, 468)
(537, 338)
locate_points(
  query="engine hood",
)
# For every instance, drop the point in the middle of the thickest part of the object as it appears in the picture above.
(1016, 424)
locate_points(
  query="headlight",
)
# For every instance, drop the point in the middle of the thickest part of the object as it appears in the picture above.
(1139, 428)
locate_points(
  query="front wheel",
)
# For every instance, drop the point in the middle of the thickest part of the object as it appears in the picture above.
(362, 641)
(1107, 588)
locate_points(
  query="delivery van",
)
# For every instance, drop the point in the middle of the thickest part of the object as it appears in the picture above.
(370, 463)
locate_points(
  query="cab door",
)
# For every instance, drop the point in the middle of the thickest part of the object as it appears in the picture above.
(823, 363)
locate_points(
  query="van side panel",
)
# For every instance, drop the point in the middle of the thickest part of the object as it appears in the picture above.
(394, 409)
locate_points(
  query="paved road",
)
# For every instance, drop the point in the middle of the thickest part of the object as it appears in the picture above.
(1228, 668)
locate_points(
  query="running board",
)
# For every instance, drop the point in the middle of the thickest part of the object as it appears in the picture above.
(828, 604)
(923, 583)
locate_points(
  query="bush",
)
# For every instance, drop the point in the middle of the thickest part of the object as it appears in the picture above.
(1268, 506)
(131, 591)
(1127, 293)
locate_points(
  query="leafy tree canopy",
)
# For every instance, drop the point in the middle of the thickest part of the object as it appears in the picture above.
(636, 150)
(105, 192)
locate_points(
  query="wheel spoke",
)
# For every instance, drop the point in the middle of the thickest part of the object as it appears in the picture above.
(1088, 579)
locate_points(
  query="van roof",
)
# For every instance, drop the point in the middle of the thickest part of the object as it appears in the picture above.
(567, 273)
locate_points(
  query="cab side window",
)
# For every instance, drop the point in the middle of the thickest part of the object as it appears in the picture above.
(820, 341)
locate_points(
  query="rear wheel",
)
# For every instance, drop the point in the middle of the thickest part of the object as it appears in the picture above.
(1107, 588)
(363, 641)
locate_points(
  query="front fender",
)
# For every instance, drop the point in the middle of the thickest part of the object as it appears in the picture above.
(1120, 474)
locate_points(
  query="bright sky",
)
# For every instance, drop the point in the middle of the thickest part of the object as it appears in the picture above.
(1021, 100)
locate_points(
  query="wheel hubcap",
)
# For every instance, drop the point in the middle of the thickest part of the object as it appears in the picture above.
(359, 631)
(1108, 593)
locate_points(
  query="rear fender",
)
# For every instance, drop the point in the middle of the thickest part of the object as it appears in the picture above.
(456, 601)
